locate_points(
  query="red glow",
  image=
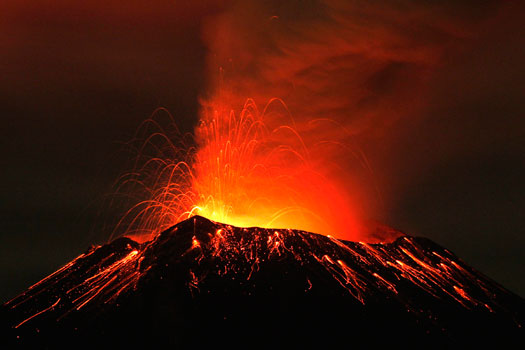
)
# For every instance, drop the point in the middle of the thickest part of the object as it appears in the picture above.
(250, 174)
(251, 168)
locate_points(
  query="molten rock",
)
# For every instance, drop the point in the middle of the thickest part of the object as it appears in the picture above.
(206, 283)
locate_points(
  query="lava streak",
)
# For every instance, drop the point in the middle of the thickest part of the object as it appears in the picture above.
(251, 168)
(210, 256)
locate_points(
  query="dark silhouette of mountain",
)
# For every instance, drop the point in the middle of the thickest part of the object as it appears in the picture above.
(202, 283)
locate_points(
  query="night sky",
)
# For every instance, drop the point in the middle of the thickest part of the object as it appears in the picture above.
(433, 93)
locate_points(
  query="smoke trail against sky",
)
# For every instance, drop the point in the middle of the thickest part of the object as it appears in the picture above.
(372, 69)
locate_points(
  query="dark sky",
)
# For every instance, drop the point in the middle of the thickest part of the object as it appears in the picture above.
(439, 91)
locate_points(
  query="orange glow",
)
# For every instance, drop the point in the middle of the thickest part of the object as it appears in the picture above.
(245, 169)
(250, 174)
(195, 243)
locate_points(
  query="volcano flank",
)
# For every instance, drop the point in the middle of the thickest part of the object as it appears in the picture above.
(206, 283)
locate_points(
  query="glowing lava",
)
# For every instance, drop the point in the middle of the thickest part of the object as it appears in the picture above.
(247, 169)
(211, 272)
(247, 174)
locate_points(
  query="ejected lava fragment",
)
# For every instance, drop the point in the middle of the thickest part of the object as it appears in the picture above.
(206, 283)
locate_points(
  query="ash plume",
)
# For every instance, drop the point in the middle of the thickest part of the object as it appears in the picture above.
(369, 76)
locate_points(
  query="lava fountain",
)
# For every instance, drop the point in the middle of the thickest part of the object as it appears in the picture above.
(251, 168)
(188, 277)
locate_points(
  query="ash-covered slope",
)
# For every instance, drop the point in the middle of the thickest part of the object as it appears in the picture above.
(206, 283)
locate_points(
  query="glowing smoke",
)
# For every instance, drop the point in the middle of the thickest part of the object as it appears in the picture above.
(347, 71)
(354, 78)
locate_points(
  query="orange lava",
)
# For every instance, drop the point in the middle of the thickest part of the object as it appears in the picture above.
(247, 168)
(250, 174)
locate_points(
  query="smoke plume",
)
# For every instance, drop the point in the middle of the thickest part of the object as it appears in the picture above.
(358, 78)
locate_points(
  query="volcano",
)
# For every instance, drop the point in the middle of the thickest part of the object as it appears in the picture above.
(203, 283)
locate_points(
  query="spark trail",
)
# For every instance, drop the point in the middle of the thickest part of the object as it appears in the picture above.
(201, 259)
(253, 168)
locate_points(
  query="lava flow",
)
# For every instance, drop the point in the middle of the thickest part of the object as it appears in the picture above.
(253, 168)
(204, 277)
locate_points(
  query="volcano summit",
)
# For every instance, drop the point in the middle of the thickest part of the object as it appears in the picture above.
(206, 283)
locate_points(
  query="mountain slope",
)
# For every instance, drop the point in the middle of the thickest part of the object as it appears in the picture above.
(202, 282)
